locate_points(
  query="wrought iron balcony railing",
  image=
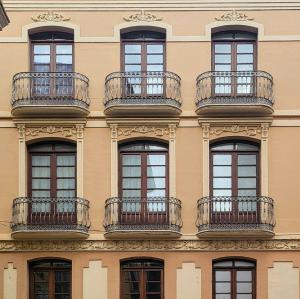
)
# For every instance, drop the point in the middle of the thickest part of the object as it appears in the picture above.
(50, 89)
(50, 214)
(142, 214)
(234, 88)
(226, 213)
(142, 88)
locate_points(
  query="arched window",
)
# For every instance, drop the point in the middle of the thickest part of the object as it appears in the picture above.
(143, 182)
(234, 279)
(52, 177)
(234, 182)
(142, 279)
(52, 52)
(50, 278)
(234, 54)
(143, 61)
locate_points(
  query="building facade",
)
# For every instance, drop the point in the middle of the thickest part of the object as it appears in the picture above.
(150, 150)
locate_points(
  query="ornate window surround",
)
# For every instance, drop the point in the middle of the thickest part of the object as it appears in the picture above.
(159, 129)
(213, 130)
(31, 132)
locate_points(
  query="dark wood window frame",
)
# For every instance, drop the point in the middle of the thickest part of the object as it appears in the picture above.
(53, 154)
(143, 267)
(234, 42)
(143, 42)
(51, 270)
(233, 271)
(50, 39)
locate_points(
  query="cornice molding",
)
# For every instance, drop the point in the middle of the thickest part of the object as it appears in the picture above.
(13, 5)
(150, 245)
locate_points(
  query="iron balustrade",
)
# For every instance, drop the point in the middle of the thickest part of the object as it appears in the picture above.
(50, 214)
(50, 88)
(152, 213)
(142, 88)
(227, 213)
(234, 87)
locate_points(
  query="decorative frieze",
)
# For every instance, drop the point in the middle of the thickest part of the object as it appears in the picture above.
(63, 131)
(142, 17)
(150, 245)
(50, 16)
(234, 16)
(236, 129)
(157, 131)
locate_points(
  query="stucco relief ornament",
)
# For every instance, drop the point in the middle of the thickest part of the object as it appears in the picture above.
(142, 17)
(143, 130)
(249, 131)
(64, 131)
(234, 16)
(50, 16)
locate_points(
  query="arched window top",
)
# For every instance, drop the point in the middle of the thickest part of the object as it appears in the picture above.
(143, 146)
(143, 35)
(52, 147)
(234, 146)
(234, 263)
(234, 35)
(142, 263)
(50, 263)
(52, 36)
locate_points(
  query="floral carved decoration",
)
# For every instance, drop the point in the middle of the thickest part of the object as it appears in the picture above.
(248, 130)
(150, 245)
(142, 17)
(63, 131)
(50, 16)
(143, 130)
(234, 16)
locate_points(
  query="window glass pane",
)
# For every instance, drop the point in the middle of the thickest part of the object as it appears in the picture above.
(244, 287)
(65, 206)
(132, 58)
(131, 193)
(65, 183)
(41, 206)
(245, 48)
(246, 159)
(222, 147)
(244, 58)
(222, 206)
(40, 160)
(156, 193)
(133, 68)
(155, 68)
(154, 183)
(247, 183)
(156, 159)
(223, 58)
(223, 275)
(222, 170)
(37, 194)
(41, 49)
(223, 67)
(222, 183)
(244, 296)
(40, 183)
(66, 172)
(246, 147)
(153, 287)
(64, 59)
(246, 171)
(64, 49)
(65, 193)
(154, 171)
(41, 59)
(223, 287)
(153, 275)
(132, 183)
(38, 172)
(155, 59)
(222, 48)
(222, 159)
(65, 160)
(223, 296)
(244, 67)
(133, 171)
(247, 192)
(243, 275)
(154, 48)
(223, 264)
(222, 192)
(131, 160)
(132, 49)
